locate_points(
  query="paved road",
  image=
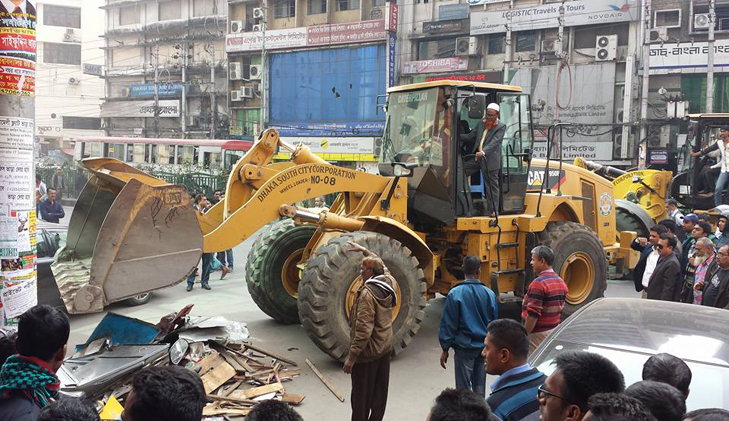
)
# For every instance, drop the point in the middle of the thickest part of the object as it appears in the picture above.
(416, 377)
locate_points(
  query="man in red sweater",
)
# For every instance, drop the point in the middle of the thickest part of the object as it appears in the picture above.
(542, 307)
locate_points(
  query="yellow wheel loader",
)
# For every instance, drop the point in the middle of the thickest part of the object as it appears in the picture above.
(420, 214)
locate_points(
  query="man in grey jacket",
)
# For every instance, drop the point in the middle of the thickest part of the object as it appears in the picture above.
(484, 142)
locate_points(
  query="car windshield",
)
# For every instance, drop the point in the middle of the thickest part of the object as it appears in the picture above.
(415, 120)
(709, 388)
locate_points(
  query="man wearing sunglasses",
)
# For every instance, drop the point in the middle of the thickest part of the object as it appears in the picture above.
(579, 375)
(665, 283)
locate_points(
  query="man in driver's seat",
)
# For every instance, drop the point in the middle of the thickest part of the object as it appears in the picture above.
(484, 143)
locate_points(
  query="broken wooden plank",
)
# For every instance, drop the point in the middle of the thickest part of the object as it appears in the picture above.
(229, 389)
(212, 410)
(325, 381)
(212, 398)
(257, 391)
(292, 399)
(271, 354)
(217, 376)
(207, 363)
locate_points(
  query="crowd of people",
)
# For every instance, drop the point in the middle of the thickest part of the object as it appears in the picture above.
(695, 270)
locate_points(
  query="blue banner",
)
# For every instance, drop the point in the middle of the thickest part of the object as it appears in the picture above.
(146, 90)
(350, 129)
(391, 58)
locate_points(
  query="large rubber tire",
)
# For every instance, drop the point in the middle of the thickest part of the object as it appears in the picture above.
(326, 283)
(265, 263)
(579, 259)
(626, 221)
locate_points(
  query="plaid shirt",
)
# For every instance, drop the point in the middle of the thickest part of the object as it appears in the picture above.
(545, 300)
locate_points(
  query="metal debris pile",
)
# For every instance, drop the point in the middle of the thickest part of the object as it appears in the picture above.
(236, 373)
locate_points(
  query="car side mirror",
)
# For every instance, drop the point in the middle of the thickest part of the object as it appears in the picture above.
(403, 169)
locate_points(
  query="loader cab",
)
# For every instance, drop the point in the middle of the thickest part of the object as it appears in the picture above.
(693, 186)
(424, 124)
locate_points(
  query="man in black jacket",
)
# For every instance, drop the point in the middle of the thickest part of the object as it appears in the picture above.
(664, 284)
(648, 257)
(484, 142)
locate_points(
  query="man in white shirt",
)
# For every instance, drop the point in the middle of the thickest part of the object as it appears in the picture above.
(648, 259)
(673, 212)
(722, 145)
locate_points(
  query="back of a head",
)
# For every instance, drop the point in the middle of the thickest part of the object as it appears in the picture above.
(471, 265)
(586, 374)
(659, 229)
(460, 405)
(617, 407)
(666, 368)
(664, 401)
(670, 224)
(69, 409)
(167, 394)
(708, 414)
(7, 345)
(273, 410)
(42, 332)
(510, 334)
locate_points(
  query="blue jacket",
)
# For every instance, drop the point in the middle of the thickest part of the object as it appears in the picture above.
(51, 212)
(18, 408)
(469, 308)
(722, 240)
(515, 397)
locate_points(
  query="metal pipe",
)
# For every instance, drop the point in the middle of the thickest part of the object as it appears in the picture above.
(710, 62)
(325, 220)
(644, 36)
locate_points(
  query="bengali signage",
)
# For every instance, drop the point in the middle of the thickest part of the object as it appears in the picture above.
(492, 77)
(346, 33)
(443, 26)
(167, 108)
(439, 65)
(679, 57)
(480, 2)
(276, 39)
(319, 145)
(453, 11)
(576, 13)
(391, 59)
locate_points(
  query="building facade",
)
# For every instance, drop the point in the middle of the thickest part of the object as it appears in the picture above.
(165, 77)
(68, 91)
(325, 64)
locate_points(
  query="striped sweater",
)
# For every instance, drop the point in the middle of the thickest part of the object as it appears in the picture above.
(545, 300)
(515, 398)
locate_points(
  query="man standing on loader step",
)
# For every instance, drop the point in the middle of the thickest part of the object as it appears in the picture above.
(542, 307)
(371, 338)
(485, 143)
(469, 308)
(723, 146)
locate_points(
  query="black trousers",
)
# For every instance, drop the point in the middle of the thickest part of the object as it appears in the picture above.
(491, 183)
(369, 389)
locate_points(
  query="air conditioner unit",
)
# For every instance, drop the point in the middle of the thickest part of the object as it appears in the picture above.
(702, 21)
(466, 46)
(255, 71)
(68, 37)
(258, 13)
(617, 146)
(659, 34)
(235, 95)
(606, 47)
(236, 26)
(257, 28)
(246, 92)
(236, 71)
(549, 46)
(73, 81)
(125, 92)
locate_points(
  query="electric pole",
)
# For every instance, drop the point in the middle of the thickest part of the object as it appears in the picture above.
(710, 61)
(645, 37)
(156, 90)
(263, 65)
(213, 107)
(183, 106)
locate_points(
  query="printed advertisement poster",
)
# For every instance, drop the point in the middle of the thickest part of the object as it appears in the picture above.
(16, 178)
(17, 76)
(8, 237)
(19, 292)
(16, 132)
(17, 47)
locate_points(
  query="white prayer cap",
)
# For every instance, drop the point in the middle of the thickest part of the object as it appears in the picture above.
(493, 106)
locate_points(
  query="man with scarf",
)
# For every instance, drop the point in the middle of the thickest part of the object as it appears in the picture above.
(370, 323)
(28, 379)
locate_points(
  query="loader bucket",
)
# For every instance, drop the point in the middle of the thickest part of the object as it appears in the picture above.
(129, 234)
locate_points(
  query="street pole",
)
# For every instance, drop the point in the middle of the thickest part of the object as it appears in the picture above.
(184, 89)
(710, 62)
(507, 49)
(17, 156)
(263, 66)
(156, 90)
(213, 106)
(644, 36)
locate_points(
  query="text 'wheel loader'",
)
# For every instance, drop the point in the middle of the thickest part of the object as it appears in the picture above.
(420, 215)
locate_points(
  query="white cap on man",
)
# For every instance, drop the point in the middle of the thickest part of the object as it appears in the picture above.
(493, 106)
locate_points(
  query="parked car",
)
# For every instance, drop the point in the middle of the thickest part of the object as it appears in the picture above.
(629, 331)
(51, 237)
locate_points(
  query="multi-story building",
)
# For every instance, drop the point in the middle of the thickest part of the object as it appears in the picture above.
(68, 93)
(165, 76)
(326, 62)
